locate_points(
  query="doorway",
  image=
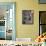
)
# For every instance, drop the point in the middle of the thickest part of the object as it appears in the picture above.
(7, 21)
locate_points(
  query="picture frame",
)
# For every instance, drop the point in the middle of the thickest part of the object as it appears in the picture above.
(42, 1)
(27, 16)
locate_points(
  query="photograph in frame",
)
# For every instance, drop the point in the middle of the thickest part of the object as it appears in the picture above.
(27, 16)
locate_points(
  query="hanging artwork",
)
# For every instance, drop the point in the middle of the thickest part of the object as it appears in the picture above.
(27, 16)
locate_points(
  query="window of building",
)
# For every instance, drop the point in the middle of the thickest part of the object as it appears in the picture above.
(42, 22)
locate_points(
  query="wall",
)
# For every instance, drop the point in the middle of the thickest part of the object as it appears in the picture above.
(28, 31)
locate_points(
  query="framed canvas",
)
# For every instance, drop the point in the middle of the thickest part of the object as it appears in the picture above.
(27, 16)
(42, 1)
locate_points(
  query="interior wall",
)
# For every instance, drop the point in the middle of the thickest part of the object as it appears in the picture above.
(27, 31)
